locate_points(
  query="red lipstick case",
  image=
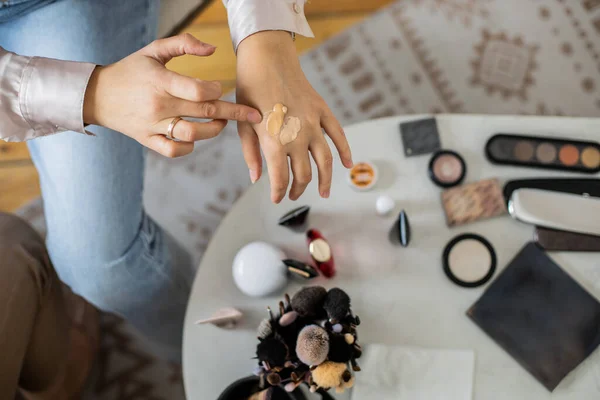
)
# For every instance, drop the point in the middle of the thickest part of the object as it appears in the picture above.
(321, 253)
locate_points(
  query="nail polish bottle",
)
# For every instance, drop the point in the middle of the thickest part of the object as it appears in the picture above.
(321, 252)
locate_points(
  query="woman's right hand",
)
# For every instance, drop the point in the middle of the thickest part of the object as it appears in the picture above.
(139, 97)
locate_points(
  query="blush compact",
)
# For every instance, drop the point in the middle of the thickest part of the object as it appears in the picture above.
(469, 260)
(447, 168)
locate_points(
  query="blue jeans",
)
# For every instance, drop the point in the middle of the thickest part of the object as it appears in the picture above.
(100, 240)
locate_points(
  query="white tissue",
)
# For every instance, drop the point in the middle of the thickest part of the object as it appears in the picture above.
(407, 373)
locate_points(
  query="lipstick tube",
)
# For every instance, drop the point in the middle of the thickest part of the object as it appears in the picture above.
(320, 252)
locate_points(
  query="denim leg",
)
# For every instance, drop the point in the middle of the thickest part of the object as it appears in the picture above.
(99, 238)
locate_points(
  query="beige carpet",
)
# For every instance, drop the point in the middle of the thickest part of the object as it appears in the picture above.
(417, 56)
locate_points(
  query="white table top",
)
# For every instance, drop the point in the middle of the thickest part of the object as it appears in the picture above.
(402, 295)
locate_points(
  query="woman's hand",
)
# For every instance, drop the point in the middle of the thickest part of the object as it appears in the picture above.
(139, 97)
(268, 73)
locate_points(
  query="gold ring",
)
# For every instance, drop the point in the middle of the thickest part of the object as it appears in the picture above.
(174, 122)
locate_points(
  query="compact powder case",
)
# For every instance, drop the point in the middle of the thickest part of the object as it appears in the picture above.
(363, 176)
(420, 137)
(469, 260)
(544, 152)
(447, 168)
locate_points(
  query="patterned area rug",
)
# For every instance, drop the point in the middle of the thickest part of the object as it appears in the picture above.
(417, 56)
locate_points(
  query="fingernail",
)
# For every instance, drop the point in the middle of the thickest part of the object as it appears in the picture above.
(254, 117)
(253, 175)
(325, 194)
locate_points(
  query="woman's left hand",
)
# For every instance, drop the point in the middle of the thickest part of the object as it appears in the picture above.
(269, 73)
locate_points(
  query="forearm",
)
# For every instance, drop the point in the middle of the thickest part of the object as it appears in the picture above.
(40, 96)
(282, 68)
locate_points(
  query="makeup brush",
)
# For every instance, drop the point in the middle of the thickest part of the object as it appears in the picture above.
(333, 375)
(339, 350)
(312, 346)
(308, 300)
(288, 302)
(355, 366)
(291, 386)
(336, 304)
(272, 350)
(288, 318)
(274, 379)
(265, 328)
(349, 338)
(281, 309)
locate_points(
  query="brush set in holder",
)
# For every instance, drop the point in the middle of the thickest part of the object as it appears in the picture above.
(311, 340)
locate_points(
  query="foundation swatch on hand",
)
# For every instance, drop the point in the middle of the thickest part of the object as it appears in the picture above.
(290, 130)
(277, 124)
(275, 119)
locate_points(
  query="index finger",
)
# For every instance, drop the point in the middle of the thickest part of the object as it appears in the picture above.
(219, 109)
(336, 133)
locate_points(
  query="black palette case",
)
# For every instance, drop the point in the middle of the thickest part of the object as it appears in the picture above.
(540, 316)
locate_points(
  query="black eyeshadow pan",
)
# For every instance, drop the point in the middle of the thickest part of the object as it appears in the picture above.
(539, 315)
(420, 137)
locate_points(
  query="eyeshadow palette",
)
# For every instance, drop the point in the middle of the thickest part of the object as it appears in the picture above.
(544, 152)
(420, 137)
(538, 314)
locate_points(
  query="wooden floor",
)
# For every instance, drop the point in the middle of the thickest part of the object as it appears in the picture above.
(18, 178)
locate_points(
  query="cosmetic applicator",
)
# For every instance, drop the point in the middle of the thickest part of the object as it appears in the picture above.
(308, 300)
(313, 328)
(288, 318)
(272, 351)
(339, 350)
(313, 345)
(265, 329)
(333, 375)
(336, 304)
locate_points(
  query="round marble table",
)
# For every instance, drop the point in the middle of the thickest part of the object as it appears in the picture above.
(401, 294)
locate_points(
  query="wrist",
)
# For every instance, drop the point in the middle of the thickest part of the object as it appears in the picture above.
(90, 98)
(278, 44)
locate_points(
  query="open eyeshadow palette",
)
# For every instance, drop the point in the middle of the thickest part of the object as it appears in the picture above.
(543, 152)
